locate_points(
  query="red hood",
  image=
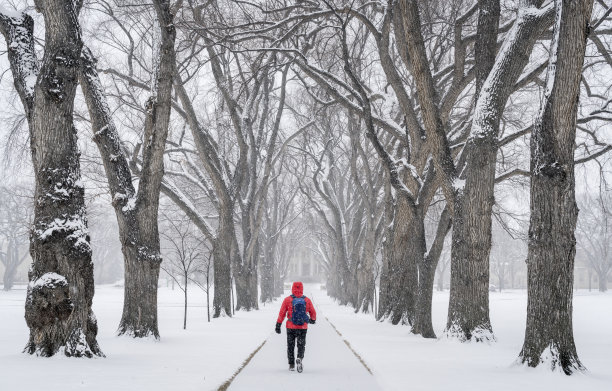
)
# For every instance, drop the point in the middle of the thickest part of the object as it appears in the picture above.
(297, 289)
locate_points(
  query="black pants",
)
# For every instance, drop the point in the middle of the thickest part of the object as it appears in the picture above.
(292, 335)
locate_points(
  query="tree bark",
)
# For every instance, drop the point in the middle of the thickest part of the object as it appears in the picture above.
(404, 247)
(427, 271)
(549, 336)
(61, 289)
(222, 256)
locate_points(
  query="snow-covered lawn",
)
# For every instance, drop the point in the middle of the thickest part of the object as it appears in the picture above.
(199, 358)
(402, 361)
(207, 354)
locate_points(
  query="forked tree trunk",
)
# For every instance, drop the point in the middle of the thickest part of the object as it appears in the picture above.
(61, 289)
(143, 258)
(427, 272)
(468, 312)
(137, 213)
(549, 338)
(139, 245)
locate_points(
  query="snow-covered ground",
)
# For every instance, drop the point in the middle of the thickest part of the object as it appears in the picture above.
(206, 355)
(200, 358)
(401, 361)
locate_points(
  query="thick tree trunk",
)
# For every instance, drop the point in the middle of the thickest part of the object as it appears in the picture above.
(246, 288)
(549, 336)
(139, 318)
(61, 289)
(222, 256)
(399, 277)
(422, 324)
(468, 312)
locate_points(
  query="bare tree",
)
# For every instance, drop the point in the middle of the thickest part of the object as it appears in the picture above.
(136, 211)
(60, 293)
(185, 254)
(549, 335)
(593, 233)
(15, 223)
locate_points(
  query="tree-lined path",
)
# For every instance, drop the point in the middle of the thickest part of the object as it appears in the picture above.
(328, 364)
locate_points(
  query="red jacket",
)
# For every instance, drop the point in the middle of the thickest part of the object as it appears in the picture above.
(287, 308)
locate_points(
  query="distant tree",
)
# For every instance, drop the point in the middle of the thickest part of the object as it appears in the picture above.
(184, 253)
(205, 282)
(15, 219)
(594, 235)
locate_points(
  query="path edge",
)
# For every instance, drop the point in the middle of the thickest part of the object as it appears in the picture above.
(229, 381)
(350, 347)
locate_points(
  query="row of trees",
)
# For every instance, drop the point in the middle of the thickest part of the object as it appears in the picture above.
(366, 131)
(428, 86)
(223, 172)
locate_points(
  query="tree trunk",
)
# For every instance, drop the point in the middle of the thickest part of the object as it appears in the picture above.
(366, 272)
(603, 281)
(399, 277)
(268, 272)
(139, 318)
(61, 289)
(185, 312)
(246, 287)
(423, 324)
(207, 298)
(279, 283)
(427, 272)
(441, 280)
(549, 336)
(10, 269)
(222, 255)
(468, 311)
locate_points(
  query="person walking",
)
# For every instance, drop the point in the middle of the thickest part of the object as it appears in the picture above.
(299, 311)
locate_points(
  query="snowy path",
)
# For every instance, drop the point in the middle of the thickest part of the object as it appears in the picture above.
(328, 365)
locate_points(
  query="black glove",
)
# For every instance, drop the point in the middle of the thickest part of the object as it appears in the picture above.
(277, 329)
(312, 321)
